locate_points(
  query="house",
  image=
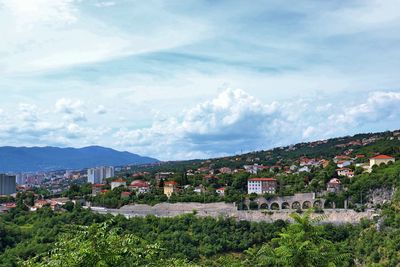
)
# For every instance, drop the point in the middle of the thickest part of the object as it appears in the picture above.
(334, 186)
(117, 183)
(125, 195)
(139, 186)
(96, 189)
(220, 191)
(199, 189)
(341, 158)
(378, 160)
(254, 169)
(304, 169)
(343, 163)
(261, 186)
(345, 172)
(170, 188)
(225, 170)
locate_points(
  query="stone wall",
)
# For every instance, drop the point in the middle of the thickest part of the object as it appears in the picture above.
(226, 210)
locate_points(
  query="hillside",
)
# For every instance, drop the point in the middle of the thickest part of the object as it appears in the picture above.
(368, 144)
(23, 159)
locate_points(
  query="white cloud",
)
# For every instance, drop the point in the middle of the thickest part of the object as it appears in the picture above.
(235, 120)
(28, 14)
(100, 109)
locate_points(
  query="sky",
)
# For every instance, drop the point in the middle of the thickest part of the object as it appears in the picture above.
(190, 79)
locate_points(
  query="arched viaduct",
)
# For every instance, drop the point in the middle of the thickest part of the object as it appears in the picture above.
(298, 201)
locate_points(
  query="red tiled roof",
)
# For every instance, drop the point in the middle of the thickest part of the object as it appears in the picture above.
(139, 183)
(221, 189)
(126, 193)
(262, 179)
(170, 183)
(119, 181)
(342, 157)
(382, 157)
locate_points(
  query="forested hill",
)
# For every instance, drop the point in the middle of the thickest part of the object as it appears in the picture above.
(20, 159)
(367, 144)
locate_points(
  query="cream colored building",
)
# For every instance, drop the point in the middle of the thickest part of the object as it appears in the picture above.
(170, 188)
(378, 160)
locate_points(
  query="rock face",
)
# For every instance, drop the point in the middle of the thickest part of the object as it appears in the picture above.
(226, 210)
(379, 196)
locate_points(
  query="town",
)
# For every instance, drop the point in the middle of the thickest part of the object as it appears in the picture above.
(318, 182)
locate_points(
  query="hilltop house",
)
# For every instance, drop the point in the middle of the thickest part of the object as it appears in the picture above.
(96, 189)
(378, 160)
(345, 172)
(170, 188)
(117, 183)
(220, 191)
(261, 186)
(140, 186)
(334, 186)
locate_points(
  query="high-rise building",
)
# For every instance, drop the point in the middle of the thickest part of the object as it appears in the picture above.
(98, 174)
(7, 184)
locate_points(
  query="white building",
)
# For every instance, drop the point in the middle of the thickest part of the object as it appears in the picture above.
(98, 174)
(118, 183)
(261, 186)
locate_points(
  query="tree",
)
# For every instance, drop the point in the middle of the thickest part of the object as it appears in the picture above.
(300, 244)
(102, 245)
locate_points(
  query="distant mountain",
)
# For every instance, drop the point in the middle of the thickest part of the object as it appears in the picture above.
(24, 159)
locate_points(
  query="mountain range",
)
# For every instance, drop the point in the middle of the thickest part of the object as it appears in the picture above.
(27, 159)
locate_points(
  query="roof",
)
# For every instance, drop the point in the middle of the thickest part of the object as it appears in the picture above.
(170, 183)
(221, 189)
(126, 193)
(119, 181)
(334, 181)
(262, 179)
(139, 183)
(382, 157)
(342, 157)
(343, 169)
(98, 185)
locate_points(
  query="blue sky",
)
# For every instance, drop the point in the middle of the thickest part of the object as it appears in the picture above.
(189, 79)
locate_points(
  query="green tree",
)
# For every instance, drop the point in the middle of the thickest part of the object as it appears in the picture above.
(301, 244)
(102, 245)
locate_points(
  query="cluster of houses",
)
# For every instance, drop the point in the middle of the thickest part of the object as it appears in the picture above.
(261, 186)
(138, 186)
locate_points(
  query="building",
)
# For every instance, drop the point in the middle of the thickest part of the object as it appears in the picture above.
(96, 189)
(378, 160)
(343, 163)
(99, 174)
(140, 186)
(117, 183)
(170, 188)
(261, 186)
(334, 186)
(8, 184)
(345, 172)
(225, 170)
(220, 191)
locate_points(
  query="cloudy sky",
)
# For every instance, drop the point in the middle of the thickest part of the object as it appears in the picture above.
(195, 79)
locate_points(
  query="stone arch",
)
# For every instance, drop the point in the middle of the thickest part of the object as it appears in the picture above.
(317, 204)
(285, 205)
(274, 206)
(296, 205)
(264, 206)
(306, 205)
(329, 205)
